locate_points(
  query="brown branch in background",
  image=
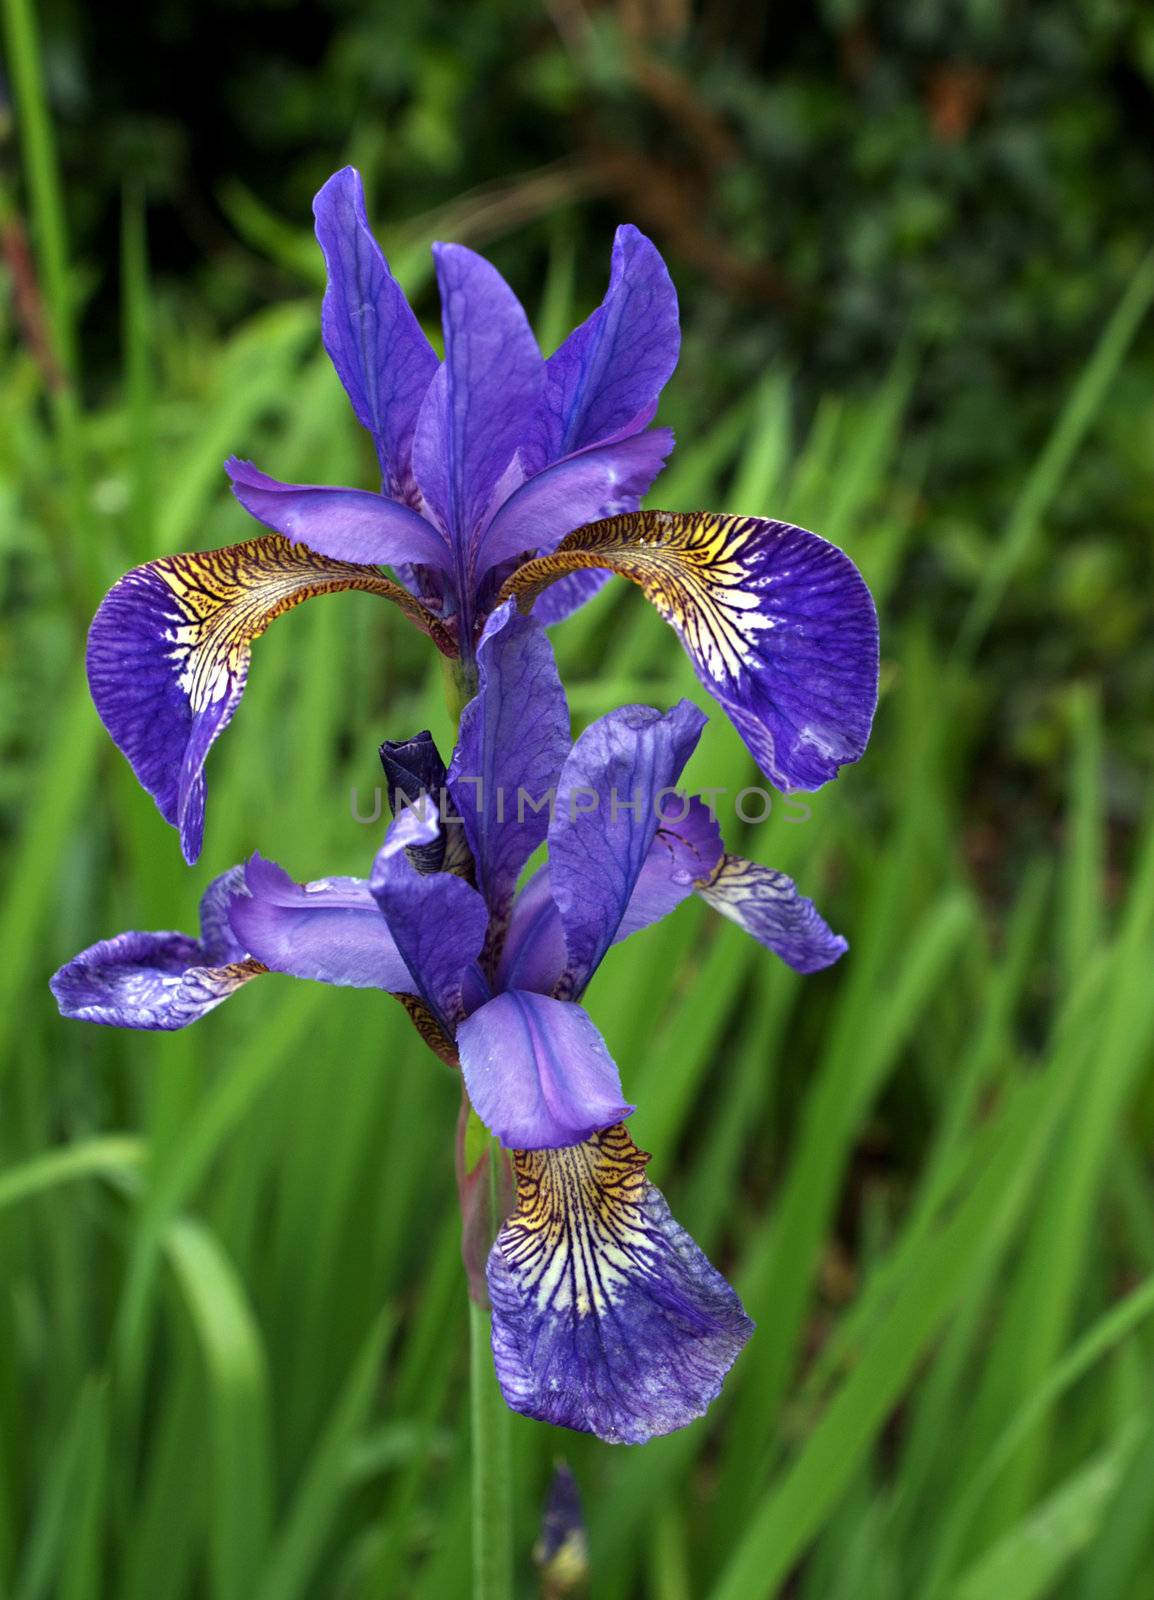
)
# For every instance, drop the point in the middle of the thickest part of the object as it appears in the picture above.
(27, 300)
(670, 196)
(956, 96)
(671, 202)
(494, 209)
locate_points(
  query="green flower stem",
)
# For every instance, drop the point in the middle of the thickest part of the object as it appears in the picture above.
(491, 1464)
(460, 680)
(492, 1489)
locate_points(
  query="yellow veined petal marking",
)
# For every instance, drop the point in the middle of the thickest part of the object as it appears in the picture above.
(693, 568)
(230, 596)
(578, 1230)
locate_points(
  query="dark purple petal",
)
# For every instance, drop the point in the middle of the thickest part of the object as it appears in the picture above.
(346, 524)
(596, 482)
(606, 820)
(538, 1073)
(513, 741)
(767, 905)
(617, 362)
(159, 981)
(561, 600)
(373, 339)
(438, 923)
(331, 931)
(606, 1316)
(483, 396)
(779, 625)
(685, 853)
(169, 649)
(534, 954)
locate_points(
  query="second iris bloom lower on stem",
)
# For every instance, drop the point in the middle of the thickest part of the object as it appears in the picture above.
(606, 1316)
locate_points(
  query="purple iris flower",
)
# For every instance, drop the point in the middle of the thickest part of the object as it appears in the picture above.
(606, 1316)
(502, 474)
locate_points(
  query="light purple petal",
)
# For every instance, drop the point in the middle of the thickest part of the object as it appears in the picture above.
(513, 741)
(159, 981)
(606, 820)
(596, 482)
(169, 650)
(538, 1073)
(373, 339)
(607, 1317)
(560, 600)
(779, 625)
(768, 906)
(331, 931)
(483, 396)
(616, 363)
(685, 853)
(534, 954)
(438, 923)
(347, 524)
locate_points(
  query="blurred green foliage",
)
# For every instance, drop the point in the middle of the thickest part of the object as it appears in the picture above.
(912, 247)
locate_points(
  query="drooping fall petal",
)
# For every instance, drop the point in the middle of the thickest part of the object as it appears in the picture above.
(779, 625)
(768, 906)
(606, 1315)
(169, 650)
(160, 981)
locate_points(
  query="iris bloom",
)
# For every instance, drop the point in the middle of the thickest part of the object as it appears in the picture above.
(487, 459)
(606, 1316)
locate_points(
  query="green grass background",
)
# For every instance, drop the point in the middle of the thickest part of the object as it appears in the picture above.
(233, 1349)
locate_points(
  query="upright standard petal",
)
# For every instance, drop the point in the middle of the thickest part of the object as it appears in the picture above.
(483, 396)
(169, 649)
(373, 339)
(513, 742)
(438, 923)
(613, 367)
(596, 482)
(160, 981)
(346, 524)
(538, 1073)
(330, 931)
(533, 955)
(606, 1316)
(768, 906)
(779, 625)
(686, 852)
(621, 771)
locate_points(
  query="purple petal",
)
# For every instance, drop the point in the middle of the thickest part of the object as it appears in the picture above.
(513, 741)
(483, 396)
(373, 339)
(606, 1316)
(331, 931)
(617, 362)
(596, 482)
(779, 625)
(606, 820)
(685, 853)
(561, 600)
(438, 923)
(159, 981)
(767, 905)
(534, 953)
(168, 655)
(538, 1073)
(346, 524)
